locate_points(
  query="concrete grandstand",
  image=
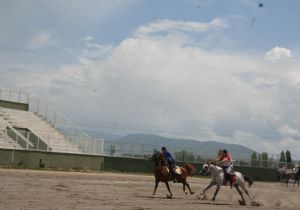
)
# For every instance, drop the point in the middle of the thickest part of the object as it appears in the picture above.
(29, 124)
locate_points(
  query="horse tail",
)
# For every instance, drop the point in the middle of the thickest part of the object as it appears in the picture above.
(189, 168)
(249, 180)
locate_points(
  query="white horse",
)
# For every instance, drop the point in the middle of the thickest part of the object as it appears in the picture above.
(218, 179)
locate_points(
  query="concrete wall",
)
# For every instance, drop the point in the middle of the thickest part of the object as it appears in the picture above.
(14, 105)
(50, 160)
(124, 164)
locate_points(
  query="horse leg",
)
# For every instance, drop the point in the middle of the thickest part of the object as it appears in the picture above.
(242, 185)
(168, 187)
(215, 194)
(188, 186)
(243, 202)
(296, 181)
(155, 187)
(183, 187)
(212, 183)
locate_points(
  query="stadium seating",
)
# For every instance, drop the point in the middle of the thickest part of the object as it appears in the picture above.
(35, 125)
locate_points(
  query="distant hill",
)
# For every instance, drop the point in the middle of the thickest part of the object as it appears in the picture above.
(147, 142)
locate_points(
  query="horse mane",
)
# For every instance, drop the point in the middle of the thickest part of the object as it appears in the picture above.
(162, 159)
(217, 167)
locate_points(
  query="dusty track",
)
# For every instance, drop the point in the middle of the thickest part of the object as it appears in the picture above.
(26, 189)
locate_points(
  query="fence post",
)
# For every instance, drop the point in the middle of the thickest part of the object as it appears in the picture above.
(48, 143)
(38, 144)
(46, 112)
(54, 120)
(19, 99)
(27, 98)
(38, 105)
(27, 140)
(9, 95)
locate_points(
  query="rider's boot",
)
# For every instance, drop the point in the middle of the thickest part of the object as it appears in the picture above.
(226, 178)
(174, 177)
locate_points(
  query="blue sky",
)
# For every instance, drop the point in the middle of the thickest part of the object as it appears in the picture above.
(208, 70)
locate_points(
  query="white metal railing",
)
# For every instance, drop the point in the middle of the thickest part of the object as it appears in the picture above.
(19, 137)
(70, 131)
(56, 119)
(47, 143)
(14, 96)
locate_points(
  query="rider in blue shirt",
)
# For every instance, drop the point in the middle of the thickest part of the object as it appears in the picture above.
(171, 162)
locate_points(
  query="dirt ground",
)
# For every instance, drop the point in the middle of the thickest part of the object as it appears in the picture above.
(30, 189)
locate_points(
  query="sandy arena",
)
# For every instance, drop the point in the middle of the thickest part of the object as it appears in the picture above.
(30, 189)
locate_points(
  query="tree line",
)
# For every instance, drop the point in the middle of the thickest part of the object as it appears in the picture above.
(263, 159)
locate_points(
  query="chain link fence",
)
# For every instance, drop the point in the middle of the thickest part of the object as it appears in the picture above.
(144, 151)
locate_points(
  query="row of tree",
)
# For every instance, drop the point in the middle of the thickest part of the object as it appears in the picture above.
(257, 159)
(264, 160)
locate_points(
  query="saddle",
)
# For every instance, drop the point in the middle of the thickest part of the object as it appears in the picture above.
(177, 170)
(229, 177)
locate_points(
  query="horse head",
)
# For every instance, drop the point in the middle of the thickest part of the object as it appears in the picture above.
(158, 158)
(204, 170)
(155, 156)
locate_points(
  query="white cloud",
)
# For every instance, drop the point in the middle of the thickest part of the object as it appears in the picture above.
(39, 40)
(287, 131)
(278, 53)
(184, 26)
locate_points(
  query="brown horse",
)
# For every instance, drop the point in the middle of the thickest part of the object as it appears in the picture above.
(161, 173)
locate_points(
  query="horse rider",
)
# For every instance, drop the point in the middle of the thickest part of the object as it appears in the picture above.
(226, 162)
(171, 162)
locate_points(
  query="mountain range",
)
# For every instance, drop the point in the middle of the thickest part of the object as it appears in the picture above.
(145, 144)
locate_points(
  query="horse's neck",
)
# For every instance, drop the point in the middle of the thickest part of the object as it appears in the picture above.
(215, 170)
(160, 163)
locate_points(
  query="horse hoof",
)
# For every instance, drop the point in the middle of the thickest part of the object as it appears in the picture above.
(212, 201)
(186, 193)
(254, 203)
(169, 196)
(192, 193)
(242, 203)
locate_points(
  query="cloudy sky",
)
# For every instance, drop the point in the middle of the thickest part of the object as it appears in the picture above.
(209, 70)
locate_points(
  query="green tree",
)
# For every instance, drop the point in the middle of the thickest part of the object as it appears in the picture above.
(112, 150)
(265, 158)
(282, 159)
(191, 157)
(288, 158)
(181, 156)
(259, 160)
(198, 159)
(254, 161)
